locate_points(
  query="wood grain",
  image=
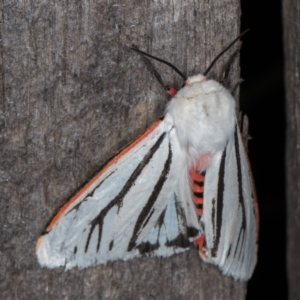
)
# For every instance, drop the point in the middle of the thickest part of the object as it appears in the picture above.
(291, 11)
(73, 94)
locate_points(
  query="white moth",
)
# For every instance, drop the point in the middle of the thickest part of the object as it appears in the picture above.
(185, 180)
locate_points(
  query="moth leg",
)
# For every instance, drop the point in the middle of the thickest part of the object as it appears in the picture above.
(200, 243)
(243, 121)
(236, 85)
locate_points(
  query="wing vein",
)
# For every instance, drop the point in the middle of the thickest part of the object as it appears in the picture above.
(98, 220)
(148, 208)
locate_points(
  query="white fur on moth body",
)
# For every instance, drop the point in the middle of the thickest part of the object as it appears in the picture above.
(203, 113)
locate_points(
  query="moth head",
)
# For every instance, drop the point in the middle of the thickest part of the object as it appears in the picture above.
(194, 79)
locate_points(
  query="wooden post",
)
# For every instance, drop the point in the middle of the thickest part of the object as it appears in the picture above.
(291, 10)
(73, 94)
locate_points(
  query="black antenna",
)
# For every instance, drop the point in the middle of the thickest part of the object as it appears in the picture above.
(218, 56)
(163, 61)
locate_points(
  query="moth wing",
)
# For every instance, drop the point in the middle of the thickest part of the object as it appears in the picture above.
(230, 211)
(121, 210)
(177, 225)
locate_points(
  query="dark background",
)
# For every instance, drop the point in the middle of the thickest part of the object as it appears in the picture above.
(262, 99)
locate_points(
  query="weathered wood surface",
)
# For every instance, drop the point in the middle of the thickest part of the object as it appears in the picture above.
(291, 12)
(72, 94)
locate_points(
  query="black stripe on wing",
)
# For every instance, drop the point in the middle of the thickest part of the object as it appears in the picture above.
(148, 210)
(181, 241)
(240, 190)
(218, 211)
(98, 220)
(91, 194)
(147, 247)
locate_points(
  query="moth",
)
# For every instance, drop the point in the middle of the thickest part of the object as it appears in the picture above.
(185, 181)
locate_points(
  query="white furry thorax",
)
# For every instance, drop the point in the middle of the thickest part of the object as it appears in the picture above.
(203, 113)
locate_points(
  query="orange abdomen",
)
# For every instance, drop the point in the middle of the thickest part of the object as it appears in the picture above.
(197, 181)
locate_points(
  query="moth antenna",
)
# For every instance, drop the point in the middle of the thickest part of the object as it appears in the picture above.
(153, 70)
(163, 61)
(223, 51)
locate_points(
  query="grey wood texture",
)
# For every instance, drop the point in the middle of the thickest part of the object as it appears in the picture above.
(72, 95)
(291, 12)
